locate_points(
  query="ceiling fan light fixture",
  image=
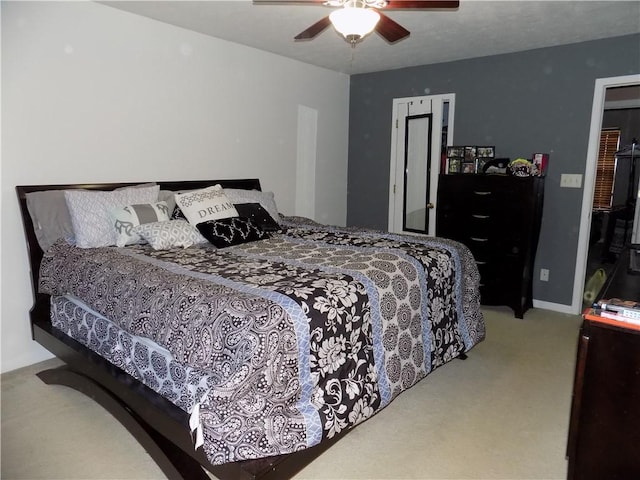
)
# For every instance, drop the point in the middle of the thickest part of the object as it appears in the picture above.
(353, 23)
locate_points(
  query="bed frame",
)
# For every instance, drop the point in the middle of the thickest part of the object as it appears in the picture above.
(159, 426)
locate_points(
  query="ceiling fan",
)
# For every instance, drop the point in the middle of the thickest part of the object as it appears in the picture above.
(357, 18)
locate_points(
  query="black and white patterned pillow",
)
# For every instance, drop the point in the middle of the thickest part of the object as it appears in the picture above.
(177, 214)
(258, 215)
(226, 232)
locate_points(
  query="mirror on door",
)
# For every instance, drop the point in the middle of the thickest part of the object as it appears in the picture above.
(417, 163)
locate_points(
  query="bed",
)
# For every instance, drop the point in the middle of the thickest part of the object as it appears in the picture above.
(253, 348)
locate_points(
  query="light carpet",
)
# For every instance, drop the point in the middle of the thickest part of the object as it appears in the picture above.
(501, 414)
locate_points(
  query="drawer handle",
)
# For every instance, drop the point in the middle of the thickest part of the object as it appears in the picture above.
(479, 262)
(476, 239)
(481, 193)
(482, 217)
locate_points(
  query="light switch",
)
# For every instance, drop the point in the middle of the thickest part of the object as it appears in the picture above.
(571, 180)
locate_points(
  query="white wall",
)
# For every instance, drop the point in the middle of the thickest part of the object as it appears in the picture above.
(94, 94)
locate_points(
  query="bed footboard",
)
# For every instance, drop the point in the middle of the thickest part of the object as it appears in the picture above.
(174, 463)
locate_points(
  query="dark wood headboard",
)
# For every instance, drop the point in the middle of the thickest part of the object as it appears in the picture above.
(40, 306)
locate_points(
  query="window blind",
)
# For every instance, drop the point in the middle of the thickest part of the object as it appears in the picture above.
(606, 169)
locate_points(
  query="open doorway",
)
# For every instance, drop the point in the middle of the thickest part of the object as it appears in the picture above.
(597, 122)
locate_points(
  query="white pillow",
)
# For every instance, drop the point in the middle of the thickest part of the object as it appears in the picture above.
(173, 233)
(206, 204)
(90, 212)
(125, 218)
(266, 199)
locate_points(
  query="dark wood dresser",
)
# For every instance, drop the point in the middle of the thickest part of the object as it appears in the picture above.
(604, 430)
(498, 217)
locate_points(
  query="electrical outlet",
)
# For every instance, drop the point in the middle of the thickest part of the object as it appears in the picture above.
(570, 180)
(544, 274)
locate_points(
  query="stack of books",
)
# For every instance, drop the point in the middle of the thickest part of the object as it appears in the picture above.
(621, 310)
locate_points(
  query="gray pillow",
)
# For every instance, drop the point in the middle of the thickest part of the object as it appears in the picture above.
(168, 197)
(50, 216)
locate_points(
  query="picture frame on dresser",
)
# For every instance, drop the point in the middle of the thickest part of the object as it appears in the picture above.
(454, 165)
(470, 153)
(455, 152)
(486, 151)
(468, 167)
(468, 159)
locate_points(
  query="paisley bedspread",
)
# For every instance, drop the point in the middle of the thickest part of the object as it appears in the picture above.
(303, 335)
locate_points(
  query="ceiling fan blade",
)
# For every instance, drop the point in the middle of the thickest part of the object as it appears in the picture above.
(399, 4)
(287, 2)
(390, 30)
(314, 29)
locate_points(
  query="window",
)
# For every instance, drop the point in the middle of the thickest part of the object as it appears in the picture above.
(606, 169)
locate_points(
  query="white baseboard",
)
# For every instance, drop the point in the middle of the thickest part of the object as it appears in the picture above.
(555, 307)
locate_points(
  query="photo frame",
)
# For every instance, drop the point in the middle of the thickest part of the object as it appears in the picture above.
(540, 161)
(454, 165)
(486, 151)
(468, 158)
(453, 152)
(469, 167)
(469, 154)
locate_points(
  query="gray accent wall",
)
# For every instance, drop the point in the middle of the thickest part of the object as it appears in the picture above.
(534, 101)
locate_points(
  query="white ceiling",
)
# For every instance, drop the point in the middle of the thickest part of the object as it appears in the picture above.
(477, 28)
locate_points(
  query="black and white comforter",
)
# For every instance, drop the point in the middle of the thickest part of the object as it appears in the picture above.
(303, 335)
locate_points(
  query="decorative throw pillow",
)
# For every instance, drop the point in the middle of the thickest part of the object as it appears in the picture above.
(169, 234)
(50, 216)
(177, 214)
(167, 196)
(125, 218)
(266, 199)
(258, 215)
(90, 212)
(207, 204)
(231, 231)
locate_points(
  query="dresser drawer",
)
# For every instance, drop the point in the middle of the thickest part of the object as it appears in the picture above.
(493, 243)
(498, 228)
(500, 269)
(500, 279)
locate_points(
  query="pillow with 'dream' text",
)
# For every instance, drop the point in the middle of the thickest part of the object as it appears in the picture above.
(206, 204)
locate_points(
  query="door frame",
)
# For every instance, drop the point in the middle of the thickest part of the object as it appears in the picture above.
(435, 162)
(597, 112)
